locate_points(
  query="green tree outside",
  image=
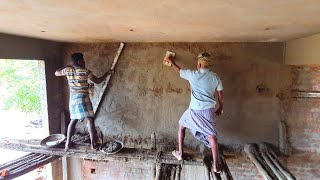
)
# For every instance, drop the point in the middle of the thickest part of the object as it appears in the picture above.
(20, 86)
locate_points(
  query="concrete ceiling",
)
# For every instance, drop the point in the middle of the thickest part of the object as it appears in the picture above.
(160, 20)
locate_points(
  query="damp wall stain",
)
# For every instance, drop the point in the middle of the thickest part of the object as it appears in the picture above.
(145, 97)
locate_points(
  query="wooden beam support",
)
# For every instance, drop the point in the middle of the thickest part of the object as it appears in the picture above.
(178, 172)
(271, 165)
(225, 171)
(267, 162)
(276, 163)
(7, 164)
(251, 151)
(283, 138)
(305, 94)
(115, 60)
(25, 164)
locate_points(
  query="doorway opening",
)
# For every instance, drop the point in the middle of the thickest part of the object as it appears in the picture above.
(23, 108)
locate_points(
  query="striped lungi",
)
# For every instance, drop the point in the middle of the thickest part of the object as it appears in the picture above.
(201, 123)
(80, 106)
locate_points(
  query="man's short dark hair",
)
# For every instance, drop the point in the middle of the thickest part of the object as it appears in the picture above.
(76, 57)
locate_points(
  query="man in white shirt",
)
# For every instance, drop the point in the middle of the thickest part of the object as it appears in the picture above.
(199, 117)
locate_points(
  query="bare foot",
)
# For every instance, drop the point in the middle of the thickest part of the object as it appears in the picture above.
(67, 147)
(95, 146)
(216, 168)
(177, 155)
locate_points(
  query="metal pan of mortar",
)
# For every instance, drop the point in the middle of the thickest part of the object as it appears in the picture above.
(111, 147)
(53, 140)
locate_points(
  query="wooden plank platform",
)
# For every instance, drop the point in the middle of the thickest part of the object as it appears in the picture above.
(126, 154)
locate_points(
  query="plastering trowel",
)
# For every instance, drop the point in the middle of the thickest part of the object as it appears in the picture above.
(168, 54)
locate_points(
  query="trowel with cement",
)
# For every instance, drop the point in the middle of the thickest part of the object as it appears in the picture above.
(168, 54)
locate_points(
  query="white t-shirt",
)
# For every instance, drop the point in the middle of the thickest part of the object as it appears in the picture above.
(204, 83)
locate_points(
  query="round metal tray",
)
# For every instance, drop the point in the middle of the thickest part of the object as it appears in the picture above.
(53, 140)
(113, 152)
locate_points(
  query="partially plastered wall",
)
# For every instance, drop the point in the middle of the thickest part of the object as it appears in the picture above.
(145, 97)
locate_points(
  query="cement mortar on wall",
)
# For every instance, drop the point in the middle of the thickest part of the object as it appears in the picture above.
(145, 97)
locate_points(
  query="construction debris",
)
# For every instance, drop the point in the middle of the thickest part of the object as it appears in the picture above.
(267, 162)
(111, 147)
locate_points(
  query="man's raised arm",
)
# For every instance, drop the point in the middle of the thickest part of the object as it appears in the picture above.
(97, 80)
(174, 66)
(60, 72)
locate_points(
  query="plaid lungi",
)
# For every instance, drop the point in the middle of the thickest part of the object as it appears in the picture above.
(201, 123)
(80, 107)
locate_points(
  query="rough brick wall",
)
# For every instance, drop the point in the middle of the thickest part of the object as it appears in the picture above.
(304, 133)
(303, 121)
(243, 168)
(113, 170)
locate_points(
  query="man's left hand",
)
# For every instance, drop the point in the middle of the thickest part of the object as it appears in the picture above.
(219, 111)
(110, 71)
(169, 59)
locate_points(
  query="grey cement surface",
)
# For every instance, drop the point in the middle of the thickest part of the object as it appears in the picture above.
(145, 97)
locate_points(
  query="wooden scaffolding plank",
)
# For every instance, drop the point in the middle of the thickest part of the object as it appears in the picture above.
(267, 162)
(7, 164)
(128, 154)
(25, 164)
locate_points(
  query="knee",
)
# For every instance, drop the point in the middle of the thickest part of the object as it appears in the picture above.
(213, 138)
(72, 123)
(89, 121)
(182, 128)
